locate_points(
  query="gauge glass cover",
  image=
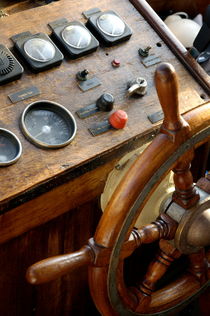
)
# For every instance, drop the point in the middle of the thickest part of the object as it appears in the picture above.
(10, 148)
(39, 49)
(48, 124)
(76, 36)
(111, 24)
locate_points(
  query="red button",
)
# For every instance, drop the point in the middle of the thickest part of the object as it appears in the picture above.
(115, 63)
(118, 119)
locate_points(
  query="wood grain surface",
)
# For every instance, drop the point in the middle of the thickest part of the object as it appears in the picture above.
(45, 184)
(38, 166)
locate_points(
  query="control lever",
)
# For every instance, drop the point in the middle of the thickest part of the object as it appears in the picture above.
(137, 86)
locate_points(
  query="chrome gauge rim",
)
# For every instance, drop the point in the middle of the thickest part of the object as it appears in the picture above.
(45, 49)
(81, 37)
(117, 28)
(10, 148)
(48, 124)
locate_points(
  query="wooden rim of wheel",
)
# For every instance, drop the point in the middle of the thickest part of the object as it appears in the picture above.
(126, 204)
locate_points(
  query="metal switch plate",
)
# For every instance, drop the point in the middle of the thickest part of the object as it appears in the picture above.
(87, 111)
(151, 60)
(156, 117)
(24, 94)
(100, 128)
(89, 84)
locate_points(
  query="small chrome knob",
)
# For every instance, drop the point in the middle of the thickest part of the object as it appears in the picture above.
(137, 86)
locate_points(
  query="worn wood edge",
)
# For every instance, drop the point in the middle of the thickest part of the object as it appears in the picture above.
(54, 203)
(174, 44)
(62, 198)
(73, 173)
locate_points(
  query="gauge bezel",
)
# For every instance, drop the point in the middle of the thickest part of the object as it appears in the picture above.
(71, 45)
(15, 140)
(103, 31)
(36, 65)
(55, 107)
(73, 52)
(43, 40)
(104, 37)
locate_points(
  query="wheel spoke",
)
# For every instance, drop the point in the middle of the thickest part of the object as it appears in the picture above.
(164, 227)
(185, 193)
(157, 268)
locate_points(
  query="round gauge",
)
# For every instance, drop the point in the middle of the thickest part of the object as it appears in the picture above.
(111, 24)
(48, 124)
(76, 36)
(39, 49)
(10, 148)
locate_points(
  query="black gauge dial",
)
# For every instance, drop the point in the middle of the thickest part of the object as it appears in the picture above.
(10, 148)
(48, 124)
(111, 24)
(39, 49)
(76, 36)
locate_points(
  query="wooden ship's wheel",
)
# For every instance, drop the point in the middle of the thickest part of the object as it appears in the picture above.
(181, 229)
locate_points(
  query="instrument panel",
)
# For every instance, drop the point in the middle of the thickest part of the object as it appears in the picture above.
(59, 85)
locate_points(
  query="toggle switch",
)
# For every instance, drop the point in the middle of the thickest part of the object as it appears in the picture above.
(137, 86)
(104, 103)
(82, 75)
(117, 120)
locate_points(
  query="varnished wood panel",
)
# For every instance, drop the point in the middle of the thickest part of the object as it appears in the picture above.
(38, 166)
(66, 296)
(53, 203)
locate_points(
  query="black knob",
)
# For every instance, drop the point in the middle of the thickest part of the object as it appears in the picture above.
(105, 102)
